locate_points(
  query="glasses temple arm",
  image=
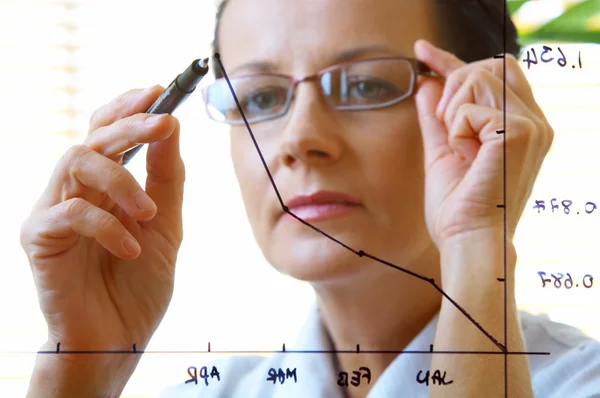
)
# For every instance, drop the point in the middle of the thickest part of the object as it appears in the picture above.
(423, 69)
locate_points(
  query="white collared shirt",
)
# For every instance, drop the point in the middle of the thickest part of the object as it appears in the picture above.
(572, 370)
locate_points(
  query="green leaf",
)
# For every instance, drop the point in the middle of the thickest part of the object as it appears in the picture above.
(569, 37)
(514, 5)
(568, 27)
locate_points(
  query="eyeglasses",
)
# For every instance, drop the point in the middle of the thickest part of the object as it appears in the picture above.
(351, 86)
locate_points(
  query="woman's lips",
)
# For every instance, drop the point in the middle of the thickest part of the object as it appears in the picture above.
(321, 205)
(320, 211)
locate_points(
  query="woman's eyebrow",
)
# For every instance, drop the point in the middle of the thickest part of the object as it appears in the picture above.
(344, 56)
(357, 52)
(255, 66)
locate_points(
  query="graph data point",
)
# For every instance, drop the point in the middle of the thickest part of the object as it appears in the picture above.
(217, 55)
(285, 208)
(361, 253)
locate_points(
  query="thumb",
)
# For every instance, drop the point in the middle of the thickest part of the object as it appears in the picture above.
(433, 131)
(166, 175)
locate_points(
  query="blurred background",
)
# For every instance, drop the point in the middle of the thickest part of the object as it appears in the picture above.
(60, 60)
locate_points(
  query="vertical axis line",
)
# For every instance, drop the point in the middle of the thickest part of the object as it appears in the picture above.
(504, 192)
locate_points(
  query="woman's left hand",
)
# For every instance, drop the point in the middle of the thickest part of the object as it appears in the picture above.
(461, 122)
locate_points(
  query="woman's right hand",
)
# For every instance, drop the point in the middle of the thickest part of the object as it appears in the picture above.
(101, 248)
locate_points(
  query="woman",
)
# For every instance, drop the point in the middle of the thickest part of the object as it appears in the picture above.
(410, 174)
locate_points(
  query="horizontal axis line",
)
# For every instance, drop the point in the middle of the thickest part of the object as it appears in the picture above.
(354, 351)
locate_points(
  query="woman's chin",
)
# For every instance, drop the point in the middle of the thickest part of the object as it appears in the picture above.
(313, 260)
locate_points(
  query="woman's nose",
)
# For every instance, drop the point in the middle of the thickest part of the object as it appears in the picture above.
(312, 134)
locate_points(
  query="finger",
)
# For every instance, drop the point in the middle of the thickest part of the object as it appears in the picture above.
(126, 133)
(165, 179)
(483, 88)
(476, 124)
(515, 80)
(473, 135)
(78, 216)
(102, 174)
(441, 62)
(433, 131)
(127, 104)
(82, 169)
(524, 157)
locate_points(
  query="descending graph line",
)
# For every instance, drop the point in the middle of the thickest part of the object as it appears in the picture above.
(359, 253)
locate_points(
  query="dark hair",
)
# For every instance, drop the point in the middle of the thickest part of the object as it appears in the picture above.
(470, 29)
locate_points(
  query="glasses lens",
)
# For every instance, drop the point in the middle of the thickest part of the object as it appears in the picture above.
(261, 97)
(368, 84)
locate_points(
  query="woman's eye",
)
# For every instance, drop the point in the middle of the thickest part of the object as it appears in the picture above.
(264, 100)
(373, 89)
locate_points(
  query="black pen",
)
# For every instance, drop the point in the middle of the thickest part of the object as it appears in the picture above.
(174, 95)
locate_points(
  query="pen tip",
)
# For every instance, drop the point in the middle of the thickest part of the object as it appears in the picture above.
(203, 63)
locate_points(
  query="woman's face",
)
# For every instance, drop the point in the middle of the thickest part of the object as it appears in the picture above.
(375, 155)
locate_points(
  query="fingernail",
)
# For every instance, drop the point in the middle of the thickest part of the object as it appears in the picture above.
(149, 89)
(425, 43)
(130, 245)
(154, 119)
(143, 201)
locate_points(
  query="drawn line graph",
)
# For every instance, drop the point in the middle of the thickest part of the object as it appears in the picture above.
(359, 253)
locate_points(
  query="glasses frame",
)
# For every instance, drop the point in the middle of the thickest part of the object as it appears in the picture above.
(417, 68)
